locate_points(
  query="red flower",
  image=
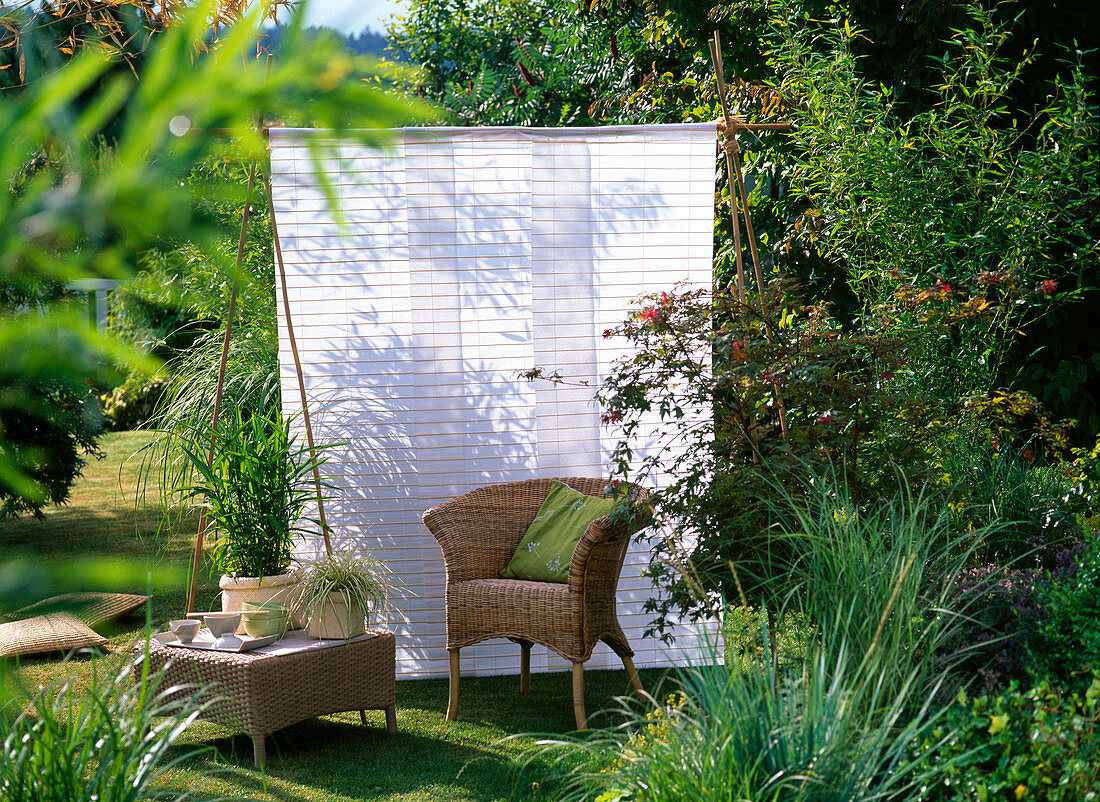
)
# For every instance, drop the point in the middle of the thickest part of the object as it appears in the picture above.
(607, 334)
(610, 417)
(1048, 286)
(649, 314)
(738, 351)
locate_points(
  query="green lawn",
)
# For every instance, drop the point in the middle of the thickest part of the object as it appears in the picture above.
(333, 757)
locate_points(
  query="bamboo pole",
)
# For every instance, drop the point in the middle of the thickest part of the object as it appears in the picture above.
(196, 557)
(715, 57)
(297, 362)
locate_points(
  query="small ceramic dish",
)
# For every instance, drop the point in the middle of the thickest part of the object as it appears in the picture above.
(222, 626)
(185, 629)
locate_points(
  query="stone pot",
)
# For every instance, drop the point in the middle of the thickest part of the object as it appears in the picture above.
(335, 618)
(280, 588)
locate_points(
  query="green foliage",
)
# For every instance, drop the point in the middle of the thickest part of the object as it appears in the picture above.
(47, 436)
(858, 714)
(972, 189)
(518, 63)
(1043, 744)
(896, 562)
(1064, 640)
(49, 420)
(111, 742)
(256, 488)
(823, 732)
(83, 211)
(1004, 486)
(250, 386)
(183, 289)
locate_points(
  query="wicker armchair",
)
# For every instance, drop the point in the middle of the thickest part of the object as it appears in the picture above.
(479, 532)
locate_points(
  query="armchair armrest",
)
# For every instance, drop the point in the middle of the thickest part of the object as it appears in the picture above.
(603, 545)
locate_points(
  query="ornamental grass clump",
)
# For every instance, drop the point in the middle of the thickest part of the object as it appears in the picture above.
(873, 589)
(111, 742)
(359, 580)
(256, 489)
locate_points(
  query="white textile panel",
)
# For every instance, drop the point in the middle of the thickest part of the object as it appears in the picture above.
(458, 258)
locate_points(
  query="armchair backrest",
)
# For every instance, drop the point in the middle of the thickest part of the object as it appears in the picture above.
(480, 530)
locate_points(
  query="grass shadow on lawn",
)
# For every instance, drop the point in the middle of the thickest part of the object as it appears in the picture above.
(474, 758)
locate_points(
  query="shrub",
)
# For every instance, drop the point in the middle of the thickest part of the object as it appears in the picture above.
(47, 434)
(1042, 744)
(1010, 487)
(1030, 625)
(132, 403)
(988, 648)
(793, 390)
(1064, 640)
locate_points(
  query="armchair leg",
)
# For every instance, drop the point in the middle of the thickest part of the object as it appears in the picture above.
(525, 666)
(578, 696)
(452, 696)
(632, 672)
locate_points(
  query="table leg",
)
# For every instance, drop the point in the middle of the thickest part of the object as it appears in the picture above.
(363, 717)
(259, 751)
(391, 719)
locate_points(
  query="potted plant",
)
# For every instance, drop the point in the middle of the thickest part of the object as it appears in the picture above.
(339, 591)
(256, 489)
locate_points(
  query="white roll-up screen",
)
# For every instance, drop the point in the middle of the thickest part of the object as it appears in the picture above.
(458, 258)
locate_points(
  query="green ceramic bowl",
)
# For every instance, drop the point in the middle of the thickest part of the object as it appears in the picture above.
(262, 623)
(269, 606)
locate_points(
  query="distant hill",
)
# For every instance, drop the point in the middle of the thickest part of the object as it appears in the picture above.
(367, 42)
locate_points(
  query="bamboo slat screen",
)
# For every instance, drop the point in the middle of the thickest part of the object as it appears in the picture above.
(464, 256)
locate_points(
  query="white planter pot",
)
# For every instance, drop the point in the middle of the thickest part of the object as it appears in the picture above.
(280, 589)
(335, 618)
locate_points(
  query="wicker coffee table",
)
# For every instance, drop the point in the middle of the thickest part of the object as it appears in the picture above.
(299, 678)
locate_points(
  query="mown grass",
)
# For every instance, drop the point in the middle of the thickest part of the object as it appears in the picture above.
(331, 757)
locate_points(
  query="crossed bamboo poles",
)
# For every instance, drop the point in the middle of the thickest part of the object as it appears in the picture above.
(733, 124)
(265, 176)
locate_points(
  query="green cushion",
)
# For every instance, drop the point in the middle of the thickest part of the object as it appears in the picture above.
(545, 551)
